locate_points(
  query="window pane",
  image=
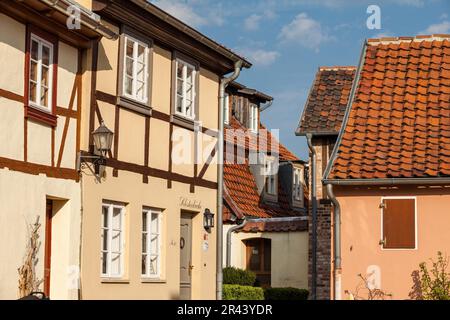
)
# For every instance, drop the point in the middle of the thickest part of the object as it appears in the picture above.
(180, 87)
(255, 257)
(140, 72)
(33, 70)
(180, 70)
(33, 93)
(154, 265)
(128, 85)
(154, 244)
(189, 91)
(144, 264)
(116, 242)
(129, 48)
(115, 264)
(179, 104)
(45, 74)
(189, 75)
(141, 54)
(34, 50)
(144, 242)
(188, 108)
(144, 221)
(105, 216)
(104, 262)
(116, 218)
(155, 222)
(105, 239)
(44, 96)
(45, 55)
(140, 91)
(129, 67)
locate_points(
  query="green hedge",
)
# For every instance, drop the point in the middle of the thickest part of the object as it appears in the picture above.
(285, 294)
(241, 277)
(237, 292)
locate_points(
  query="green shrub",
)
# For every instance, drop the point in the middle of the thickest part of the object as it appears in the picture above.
(435, 283)
(237, 292)
(285, 294)
(232, 275)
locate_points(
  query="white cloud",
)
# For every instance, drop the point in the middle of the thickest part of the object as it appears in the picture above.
(305, 31)
(443, 27)
(259, 57)
(196, 13)
(251, 23)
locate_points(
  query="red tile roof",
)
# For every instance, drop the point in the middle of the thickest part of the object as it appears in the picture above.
(399, 122)
(276, 226)
(241, 195)
(327, 101)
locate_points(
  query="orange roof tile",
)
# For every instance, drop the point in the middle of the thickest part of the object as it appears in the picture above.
(403, 132)
(325, 107)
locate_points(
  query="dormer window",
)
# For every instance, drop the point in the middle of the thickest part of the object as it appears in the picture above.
(271, 176)
(297, 189)
(239, 108)
(253, 122)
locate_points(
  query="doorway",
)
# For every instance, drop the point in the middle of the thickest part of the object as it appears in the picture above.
(185, 256)
(48, 246)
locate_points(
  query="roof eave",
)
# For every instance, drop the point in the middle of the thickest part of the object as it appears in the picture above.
(388, 181)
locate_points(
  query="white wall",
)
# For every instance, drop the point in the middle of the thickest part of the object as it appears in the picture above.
(289, 255)
(22, 199)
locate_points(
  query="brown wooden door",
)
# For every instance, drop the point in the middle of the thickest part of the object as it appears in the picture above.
(48, 246)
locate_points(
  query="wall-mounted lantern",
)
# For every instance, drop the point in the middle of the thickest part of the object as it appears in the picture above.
(208, 220)
(103, 138)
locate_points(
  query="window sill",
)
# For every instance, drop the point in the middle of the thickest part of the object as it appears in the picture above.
(115, 280)
(182, 122)
(41, 116)
(134, 105)
(152, 280)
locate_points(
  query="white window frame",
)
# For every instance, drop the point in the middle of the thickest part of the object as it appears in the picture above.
(253, 118)
(297, 185)
(48, 44)
(148, 234)
(136, 44)
(415, 223)
(270, 179)
(226, 109)
(108, 273)
(183, 112)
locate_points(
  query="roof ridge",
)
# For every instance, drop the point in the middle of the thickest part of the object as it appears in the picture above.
(417, 38)
(334, 68)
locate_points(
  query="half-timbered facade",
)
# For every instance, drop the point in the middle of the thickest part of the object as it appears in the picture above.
(41, 95)
(157, 88)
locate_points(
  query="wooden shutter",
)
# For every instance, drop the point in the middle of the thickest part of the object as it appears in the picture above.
(399, 224)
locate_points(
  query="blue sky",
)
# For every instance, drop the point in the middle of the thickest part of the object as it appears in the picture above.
(287, 40)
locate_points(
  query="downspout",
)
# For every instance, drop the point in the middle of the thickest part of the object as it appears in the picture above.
(219, 254)
(336, 242)
(229, 233)
(314, 218)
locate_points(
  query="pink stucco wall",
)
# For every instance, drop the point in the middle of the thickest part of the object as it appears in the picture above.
(361, 234)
